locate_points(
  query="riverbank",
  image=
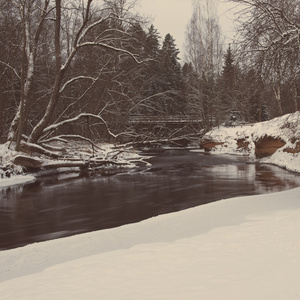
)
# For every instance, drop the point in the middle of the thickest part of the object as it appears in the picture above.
(275, 142)
(79, 157)
(241, 248)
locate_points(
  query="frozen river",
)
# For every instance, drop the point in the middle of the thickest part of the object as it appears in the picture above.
(62, 205)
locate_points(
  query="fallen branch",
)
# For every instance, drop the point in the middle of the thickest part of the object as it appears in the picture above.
(63, 138)
(34, 148)
(38, 164)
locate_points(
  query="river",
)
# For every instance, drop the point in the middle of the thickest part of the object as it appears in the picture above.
(61, 205)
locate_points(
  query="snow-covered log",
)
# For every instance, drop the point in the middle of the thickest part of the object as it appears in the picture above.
(27, 161)
(34, 148)
(37, 163)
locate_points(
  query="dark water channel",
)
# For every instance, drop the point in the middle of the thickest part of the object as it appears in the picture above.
(66, 204)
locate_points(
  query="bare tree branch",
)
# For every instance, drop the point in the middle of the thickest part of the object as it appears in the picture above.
(54, 127)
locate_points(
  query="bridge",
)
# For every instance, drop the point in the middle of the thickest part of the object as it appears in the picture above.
(175, 120)
(164, 125)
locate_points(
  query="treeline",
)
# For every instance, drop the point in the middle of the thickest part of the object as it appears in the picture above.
(258, 77)
(74, 69)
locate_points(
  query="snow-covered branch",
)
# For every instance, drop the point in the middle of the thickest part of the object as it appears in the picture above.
(75, 79)
(54, 127)
(116, 49)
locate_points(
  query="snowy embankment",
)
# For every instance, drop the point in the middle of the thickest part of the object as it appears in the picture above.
(280, 137)
(241, 248)
(78, 156)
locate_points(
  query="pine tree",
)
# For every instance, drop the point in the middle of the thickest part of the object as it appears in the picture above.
(152, 42)
(169, 62)
(228, 85)
(228, 73)
(138, 37)
(170, 74)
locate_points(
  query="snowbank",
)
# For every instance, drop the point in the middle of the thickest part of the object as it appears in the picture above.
(242, 140)
(78, 156)
(17, 179)
(241, 248)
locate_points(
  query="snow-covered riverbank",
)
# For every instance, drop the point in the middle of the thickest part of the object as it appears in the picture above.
(239, 248)
(246, 139)
(112, 158)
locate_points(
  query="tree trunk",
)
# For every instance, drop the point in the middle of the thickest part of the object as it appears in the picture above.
(295, 96)
(17, 126)
(38, 129)
(277, 93)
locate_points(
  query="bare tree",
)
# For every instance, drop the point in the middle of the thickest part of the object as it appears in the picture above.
(270, 42)
(204, 49)
(37, 17)
(204, 46)
(31, 35)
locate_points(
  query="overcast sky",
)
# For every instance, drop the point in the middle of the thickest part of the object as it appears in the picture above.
(172, 16)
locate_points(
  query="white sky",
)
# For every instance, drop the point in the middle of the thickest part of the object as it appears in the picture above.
(172, 16)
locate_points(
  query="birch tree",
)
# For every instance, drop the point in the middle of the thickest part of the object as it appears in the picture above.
(204, 45)
(204, 50)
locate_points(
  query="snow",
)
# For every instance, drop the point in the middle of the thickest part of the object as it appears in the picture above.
(17, 179)
(124, 157)
(238, 248)
(287, 128)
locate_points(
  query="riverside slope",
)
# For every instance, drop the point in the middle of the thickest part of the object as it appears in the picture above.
(276, 141)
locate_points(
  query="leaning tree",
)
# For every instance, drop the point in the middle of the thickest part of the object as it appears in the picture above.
(55, 35)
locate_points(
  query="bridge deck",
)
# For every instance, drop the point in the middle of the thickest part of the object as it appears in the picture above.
(162, 120)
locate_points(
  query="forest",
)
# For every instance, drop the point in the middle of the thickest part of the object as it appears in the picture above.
(87, 70)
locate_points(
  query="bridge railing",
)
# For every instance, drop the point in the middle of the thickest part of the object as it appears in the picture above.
(163, 119)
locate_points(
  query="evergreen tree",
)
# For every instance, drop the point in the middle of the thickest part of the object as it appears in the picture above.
(251, 91)
(227, 86)
(169, 63)
(170, 76)
(152, 42)
(228, 72)
(151, 71)
(137, 41)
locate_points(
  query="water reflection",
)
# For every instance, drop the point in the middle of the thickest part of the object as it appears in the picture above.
(62, 205)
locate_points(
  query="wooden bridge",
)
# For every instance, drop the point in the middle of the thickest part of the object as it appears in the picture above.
(175, 120)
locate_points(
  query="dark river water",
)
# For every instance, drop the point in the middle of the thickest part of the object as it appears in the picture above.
(66, 204)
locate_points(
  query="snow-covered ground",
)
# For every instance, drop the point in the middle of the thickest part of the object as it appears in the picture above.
(239, 248)
(287, 128)
(126, 157)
